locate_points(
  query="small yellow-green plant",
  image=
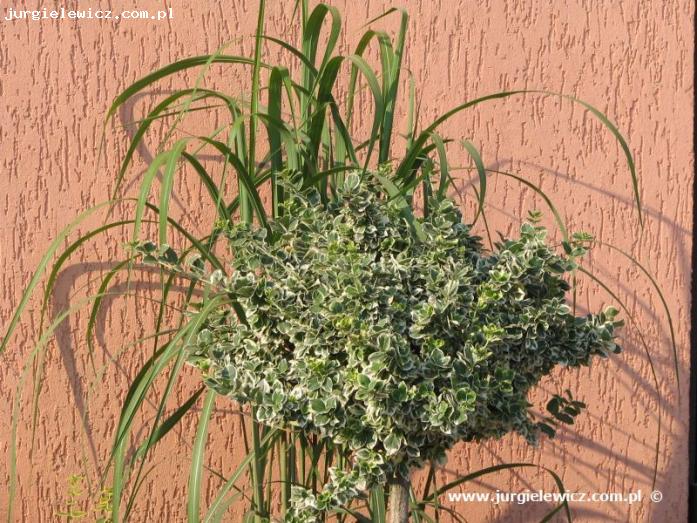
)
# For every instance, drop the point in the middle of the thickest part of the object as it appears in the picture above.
(77, 503)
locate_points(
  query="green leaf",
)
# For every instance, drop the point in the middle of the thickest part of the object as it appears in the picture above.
(198, 457)
(481, 171)
(378, 512)
(169, 70)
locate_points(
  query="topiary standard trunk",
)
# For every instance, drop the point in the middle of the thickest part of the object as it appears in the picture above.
(399, 500)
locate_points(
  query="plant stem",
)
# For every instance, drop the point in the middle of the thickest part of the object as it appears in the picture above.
(284, 476)
(245, 199)
(399, 500)
(257, 470)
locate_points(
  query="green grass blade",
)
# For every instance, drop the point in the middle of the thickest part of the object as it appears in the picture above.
(553, 512)
(378, 101)
(486, 222)
(176, 351)
(140, 133)
(48, 290)
(395, 193)
(361, 47)
(393, 87)
(169, 70)
(245, 204)
(481, 171)
(210, 185)
(313, 29)
(94, 312)
(304, 61)
(414, 151)
(284, 476)
(167, 184)
(442, 164)
(162, 430)
(43, 263)
(158, 112)
(145, 187)
(275, 97)
(415, 512)
(260, 179)
(134, 398)
(378, 513)
(243, 177)
(257, 467)
(14, 423)
(218, 506)
(197, 458)
(205, 250)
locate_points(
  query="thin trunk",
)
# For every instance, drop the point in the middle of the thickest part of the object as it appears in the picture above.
(399, 501)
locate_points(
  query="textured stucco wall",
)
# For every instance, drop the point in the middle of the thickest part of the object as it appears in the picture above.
(630, 58)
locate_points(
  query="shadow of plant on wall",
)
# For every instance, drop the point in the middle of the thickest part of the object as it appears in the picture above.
(448, 361)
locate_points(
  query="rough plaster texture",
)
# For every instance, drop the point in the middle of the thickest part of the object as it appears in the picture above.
(631, 58)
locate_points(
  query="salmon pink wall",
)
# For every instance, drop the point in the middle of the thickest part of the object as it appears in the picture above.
(633, 59)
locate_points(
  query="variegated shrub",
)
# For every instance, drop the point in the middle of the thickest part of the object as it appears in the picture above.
(391, 335)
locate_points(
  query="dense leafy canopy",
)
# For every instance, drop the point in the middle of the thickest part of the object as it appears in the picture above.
(348, 327)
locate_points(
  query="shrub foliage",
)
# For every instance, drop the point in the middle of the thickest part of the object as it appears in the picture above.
(348, 326)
